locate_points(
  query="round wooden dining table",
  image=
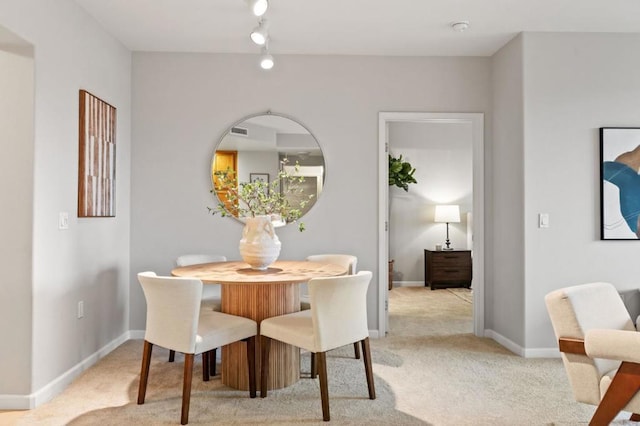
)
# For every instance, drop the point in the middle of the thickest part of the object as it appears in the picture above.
(260, 294)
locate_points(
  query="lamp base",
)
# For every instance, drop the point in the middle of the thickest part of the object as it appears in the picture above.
(447, 249)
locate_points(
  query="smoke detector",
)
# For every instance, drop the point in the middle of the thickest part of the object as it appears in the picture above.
(460, 26)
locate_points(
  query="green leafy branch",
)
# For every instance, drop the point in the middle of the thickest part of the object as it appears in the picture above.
(401, 173)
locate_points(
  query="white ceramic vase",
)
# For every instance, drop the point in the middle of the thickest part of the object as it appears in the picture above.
(259, 246)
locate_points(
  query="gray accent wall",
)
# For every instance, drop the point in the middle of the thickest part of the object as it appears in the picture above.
(183, 103)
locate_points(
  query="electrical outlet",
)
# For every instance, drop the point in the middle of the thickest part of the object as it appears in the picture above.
(80, 309)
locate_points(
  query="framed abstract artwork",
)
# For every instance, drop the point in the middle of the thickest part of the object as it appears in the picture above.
(619, 183)
(97, 157)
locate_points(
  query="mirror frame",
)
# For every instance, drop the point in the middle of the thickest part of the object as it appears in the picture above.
(261, 114)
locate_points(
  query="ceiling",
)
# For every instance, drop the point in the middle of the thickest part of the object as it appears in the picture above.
(353, 27)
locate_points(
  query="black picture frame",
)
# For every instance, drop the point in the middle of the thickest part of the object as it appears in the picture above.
(619, 183)
(259, 177)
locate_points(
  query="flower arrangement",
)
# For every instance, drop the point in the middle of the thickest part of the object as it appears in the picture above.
(283, 199)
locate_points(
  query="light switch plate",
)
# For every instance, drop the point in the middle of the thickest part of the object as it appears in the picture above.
(63, 220)
(543, 220)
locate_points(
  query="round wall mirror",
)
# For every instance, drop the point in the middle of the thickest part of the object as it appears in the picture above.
(260, 147)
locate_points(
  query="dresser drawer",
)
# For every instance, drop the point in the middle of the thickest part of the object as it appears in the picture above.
(446, 268)
(452, 274)
(446, 260)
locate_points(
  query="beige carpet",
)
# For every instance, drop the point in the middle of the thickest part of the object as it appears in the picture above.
(430, 370)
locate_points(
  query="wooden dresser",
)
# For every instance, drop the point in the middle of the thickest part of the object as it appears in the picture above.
(447, 268)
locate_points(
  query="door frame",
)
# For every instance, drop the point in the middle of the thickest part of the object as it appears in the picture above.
(477, 134)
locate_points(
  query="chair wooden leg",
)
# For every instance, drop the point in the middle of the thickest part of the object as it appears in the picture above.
(251, 360)
(212, 362)
(205, 366)
(144, 371)
(186, 388)
(264, 374)
(356, 350)
(366, 352)
(172, 355)
(623, 387)
(324, 385)
(314, 367)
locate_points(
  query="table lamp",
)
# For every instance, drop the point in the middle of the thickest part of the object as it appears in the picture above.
(447, 214)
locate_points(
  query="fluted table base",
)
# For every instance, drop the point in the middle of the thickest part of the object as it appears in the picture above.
(259, 301)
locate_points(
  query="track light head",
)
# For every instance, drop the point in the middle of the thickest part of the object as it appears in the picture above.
(266, 60)
(258, 7)
(260, 34)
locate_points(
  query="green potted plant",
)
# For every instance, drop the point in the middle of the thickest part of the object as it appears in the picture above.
(401, 173)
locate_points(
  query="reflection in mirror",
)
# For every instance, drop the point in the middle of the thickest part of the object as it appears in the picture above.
(261, 146)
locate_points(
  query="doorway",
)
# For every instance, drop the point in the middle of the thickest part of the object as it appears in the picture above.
(476, 121)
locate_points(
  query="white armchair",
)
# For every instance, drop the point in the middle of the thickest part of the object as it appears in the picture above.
(175, 321)
(600, 348)
(338, 317)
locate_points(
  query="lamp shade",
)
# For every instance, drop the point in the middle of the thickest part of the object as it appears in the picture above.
(447, 213)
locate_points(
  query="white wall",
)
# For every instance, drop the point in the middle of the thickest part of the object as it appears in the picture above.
(336, 97)
(90, 260)
(573, 85)
(441, 154)
(16, 215)
(504, 279)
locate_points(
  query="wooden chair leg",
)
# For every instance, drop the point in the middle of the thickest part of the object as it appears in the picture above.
(251, 360)
(366, 352)
(356, 350)
(623, 387)
(324, 385)
(186, 388)
(172, 355)
(264, 374)
(205, 366)
(212, 362)
(144, 371)
(314, 367)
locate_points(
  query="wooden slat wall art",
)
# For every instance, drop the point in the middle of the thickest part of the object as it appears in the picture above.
(97, 157)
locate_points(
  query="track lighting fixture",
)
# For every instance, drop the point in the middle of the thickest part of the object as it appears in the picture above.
(260, 33)
(266, 60)
(258, 7)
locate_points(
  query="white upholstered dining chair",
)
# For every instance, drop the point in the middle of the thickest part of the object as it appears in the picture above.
(210, 294)
(345, 260)
(338, 316)
(175, 321)
(600, 348)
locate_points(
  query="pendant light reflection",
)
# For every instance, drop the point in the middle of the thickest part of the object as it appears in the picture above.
(258, 7)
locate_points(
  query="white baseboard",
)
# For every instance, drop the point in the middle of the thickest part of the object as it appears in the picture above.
(408, 283)
(519, 350)
(57, 385)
